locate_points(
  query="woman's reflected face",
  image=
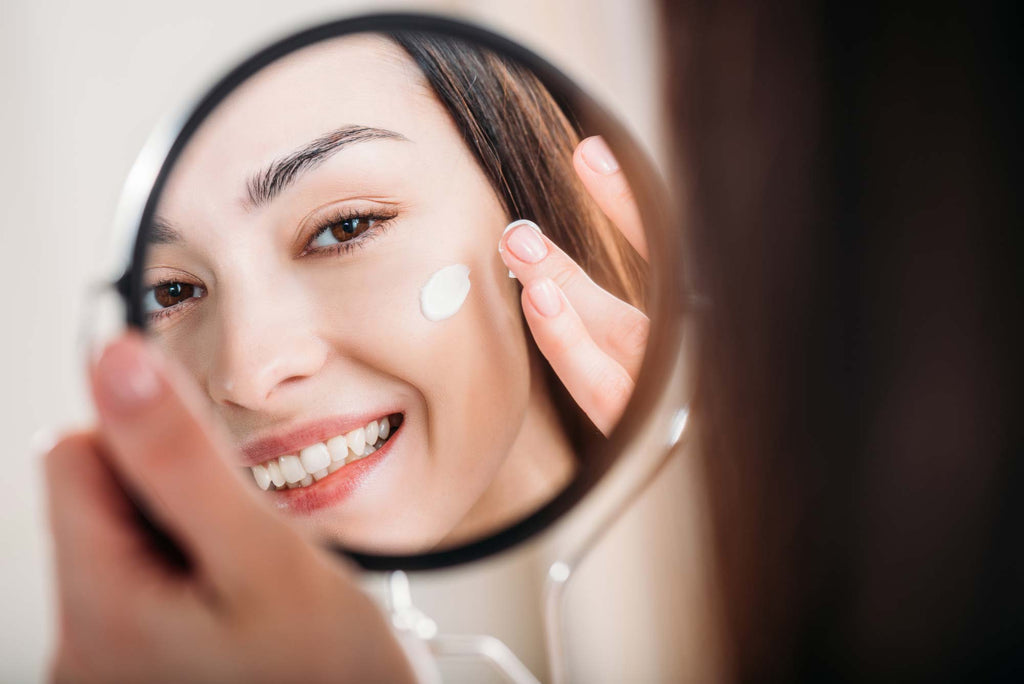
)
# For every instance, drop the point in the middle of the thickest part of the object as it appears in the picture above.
(285, 270)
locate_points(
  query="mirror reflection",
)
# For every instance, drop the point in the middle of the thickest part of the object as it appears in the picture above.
(411, 290)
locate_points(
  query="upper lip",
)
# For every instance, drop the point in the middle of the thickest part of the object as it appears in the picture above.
(291, 439)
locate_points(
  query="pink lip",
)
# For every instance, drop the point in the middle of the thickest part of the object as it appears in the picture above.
(337, 486)
(291, 440)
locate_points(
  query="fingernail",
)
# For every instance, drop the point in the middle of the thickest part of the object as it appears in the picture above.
(125, 378)
(42, 442)
(598, 157)
(545, 297)
(525, 242)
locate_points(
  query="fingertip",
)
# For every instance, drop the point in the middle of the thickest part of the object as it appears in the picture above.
(503, 240)
(598, 157)
(521, 222)
(545, 297)
(125, 377)
(42, 442)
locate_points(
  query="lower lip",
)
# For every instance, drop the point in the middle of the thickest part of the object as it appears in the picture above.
(337, 486)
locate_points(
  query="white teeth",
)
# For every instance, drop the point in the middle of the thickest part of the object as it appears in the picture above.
(262, 477)
(356, 441)
(315, 458)
(338, 448)
(291, 468)
(317, 461)
(372, 430)
(274, 470)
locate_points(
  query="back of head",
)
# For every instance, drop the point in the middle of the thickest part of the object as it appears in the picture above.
(854, 226)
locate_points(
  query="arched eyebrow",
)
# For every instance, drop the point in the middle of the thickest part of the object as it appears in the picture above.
(265, 185)
(278, 175)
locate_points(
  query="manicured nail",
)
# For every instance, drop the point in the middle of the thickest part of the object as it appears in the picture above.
(545, 297)
(125, 378)
(598, 157)
(526, 243)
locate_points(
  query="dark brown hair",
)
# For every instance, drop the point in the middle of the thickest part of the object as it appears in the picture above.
(855, 227)
(524, 143)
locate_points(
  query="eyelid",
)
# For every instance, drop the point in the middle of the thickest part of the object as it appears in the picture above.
(169, 274)
(326, 215)
(316, 218)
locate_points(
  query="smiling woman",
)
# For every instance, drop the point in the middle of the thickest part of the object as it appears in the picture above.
(286, 266)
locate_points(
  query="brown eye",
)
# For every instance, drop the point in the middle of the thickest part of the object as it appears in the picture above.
(168, 295)
(343, 231)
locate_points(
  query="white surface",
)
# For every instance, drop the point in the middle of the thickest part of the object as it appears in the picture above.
(83, 84)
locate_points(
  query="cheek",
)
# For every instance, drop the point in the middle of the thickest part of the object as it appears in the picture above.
(470, 369)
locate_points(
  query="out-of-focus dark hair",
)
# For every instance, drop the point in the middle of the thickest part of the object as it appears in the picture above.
(524, 142)
(855, 221)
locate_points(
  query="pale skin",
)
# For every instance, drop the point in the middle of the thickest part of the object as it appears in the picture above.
(228, 617)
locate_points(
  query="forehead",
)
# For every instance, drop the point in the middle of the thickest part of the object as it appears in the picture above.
(364, 80)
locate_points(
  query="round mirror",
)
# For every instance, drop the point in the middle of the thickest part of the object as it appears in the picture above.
(428, 286)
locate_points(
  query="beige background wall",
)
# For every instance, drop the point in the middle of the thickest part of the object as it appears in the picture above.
(81, 85)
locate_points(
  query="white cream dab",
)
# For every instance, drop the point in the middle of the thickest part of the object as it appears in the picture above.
(444, 293)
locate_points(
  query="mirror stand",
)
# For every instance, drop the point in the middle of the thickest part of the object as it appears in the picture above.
(414, 622)
(604, 507)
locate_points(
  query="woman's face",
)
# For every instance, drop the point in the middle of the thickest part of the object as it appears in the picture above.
(297, 231)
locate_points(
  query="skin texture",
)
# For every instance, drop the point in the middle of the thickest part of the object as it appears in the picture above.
(283, 338)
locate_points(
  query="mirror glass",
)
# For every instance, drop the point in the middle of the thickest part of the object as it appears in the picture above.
(322, 255)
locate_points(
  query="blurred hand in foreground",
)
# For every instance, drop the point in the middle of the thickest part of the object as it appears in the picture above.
(250, 601)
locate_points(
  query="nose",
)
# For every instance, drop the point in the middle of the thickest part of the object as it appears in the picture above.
(263, 347)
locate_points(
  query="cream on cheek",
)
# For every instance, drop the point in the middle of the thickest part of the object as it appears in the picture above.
(445, 292)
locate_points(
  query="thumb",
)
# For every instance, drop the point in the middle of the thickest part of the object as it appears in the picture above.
(169, 456)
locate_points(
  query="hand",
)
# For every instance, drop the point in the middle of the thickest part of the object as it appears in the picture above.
(256, 602)
(594, 341)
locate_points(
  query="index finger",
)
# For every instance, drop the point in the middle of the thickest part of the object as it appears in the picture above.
(604, 180)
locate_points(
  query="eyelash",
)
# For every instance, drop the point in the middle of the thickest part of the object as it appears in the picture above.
(160, 314)
(382, 222)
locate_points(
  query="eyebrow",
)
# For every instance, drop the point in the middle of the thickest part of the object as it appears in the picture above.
(263, 186)
(278, 175)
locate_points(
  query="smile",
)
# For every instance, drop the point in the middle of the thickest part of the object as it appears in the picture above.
(316, 461)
